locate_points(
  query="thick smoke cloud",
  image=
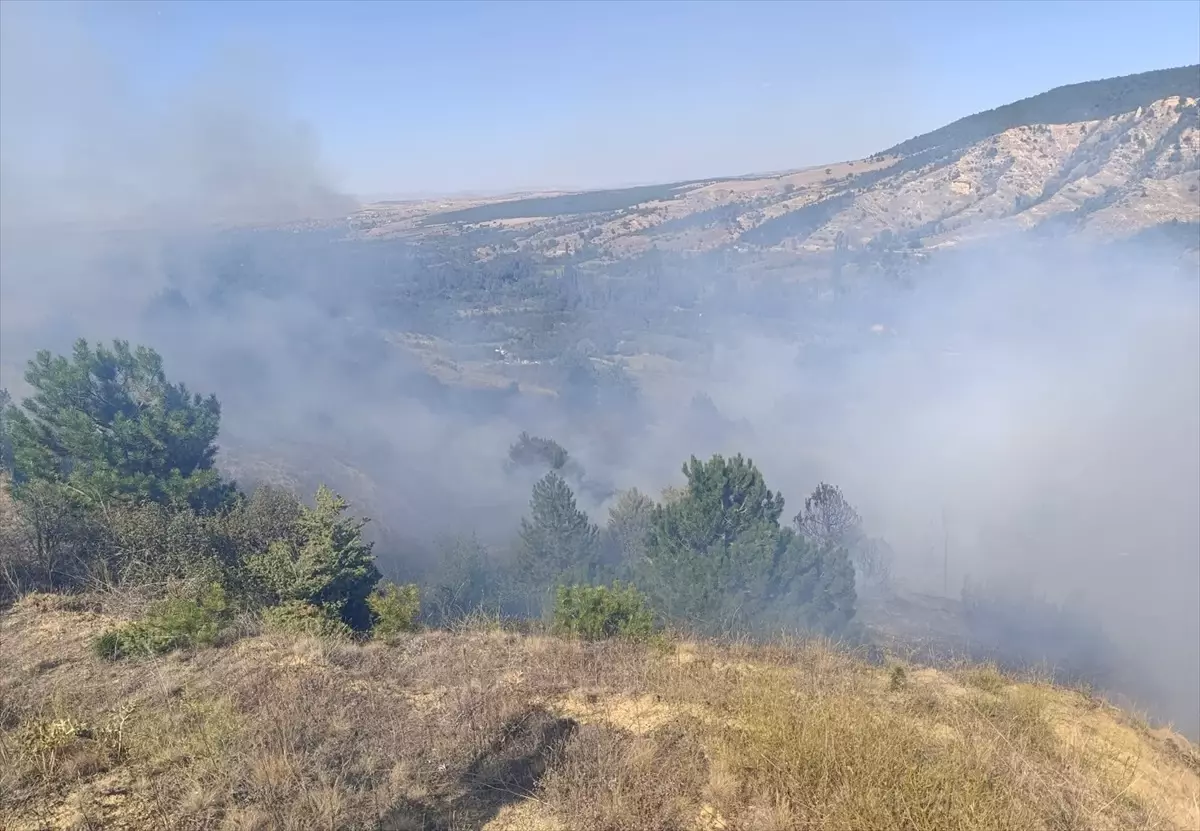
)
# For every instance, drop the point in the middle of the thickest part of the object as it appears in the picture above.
(88, 158)
(1035, 413)
(1034, 409)
(84, 142)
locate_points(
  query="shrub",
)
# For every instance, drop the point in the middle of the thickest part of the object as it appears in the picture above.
(394, 609)
(51, 539)
(596, 612)
(153, 543)
(177, 623)
(988, 678)
(327, 563)
(299, 618)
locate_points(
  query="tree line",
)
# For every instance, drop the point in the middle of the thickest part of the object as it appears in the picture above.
(113, 482)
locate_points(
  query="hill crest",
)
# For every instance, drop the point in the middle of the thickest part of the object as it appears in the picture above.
(1112, 157)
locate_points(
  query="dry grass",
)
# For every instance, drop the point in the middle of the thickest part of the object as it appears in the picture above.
(487, 728)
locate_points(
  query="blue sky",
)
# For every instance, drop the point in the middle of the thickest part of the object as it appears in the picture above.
(416, 97)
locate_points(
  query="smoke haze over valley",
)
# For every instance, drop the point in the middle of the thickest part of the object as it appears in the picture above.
(987, 336)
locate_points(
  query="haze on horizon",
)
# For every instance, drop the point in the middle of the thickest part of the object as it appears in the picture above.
(407, 99)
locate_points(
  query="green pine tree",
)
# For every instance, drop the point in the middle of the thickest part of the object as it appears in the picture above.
(325, 562)
(717, 558)
(559, 545)
(108, 424)
(724, 497)
(533, 451)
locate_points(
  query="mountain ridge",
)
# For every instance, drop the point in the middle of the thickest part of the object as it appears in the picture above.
(1113, 156)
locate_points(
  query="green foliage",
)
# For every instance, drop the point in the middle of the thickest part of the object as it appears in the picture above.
(394, 609)
(718, 558)
(532, 451)
(816, 588)
(114, 479)
(107, 423)
(691, 564)
(244, 533)
(597, 612)
(113, 470)
(558, 544)
(152, 543)
(724, 498)
(64, 541)
(324, 562)
(539, 456)
(297, 617)
(176, 623)
(257, 519)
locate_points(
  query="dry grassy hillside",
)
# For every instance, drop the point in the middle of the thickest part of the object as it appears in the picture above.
(494, 729)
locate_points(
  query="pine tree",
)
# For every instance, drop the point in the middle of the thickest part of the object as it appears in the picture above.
(627, 535)
(828, 518)
(829, 521)
(107, 423)
(717, 557)
(559, 545)
(814, 587)
(325, 562)
(533, 451)
(724, 498)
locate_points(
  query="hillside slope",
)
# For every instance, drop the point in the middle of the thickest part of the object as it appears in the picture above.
(493, 729)
(1110, 157)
